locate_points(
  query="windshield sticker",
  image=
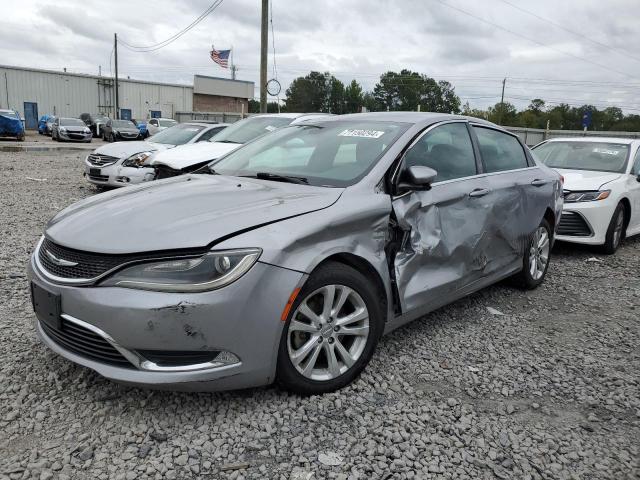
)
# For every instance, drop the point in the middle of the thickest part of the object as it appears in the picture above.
(269, 128)
(361, 133)
(606, 151)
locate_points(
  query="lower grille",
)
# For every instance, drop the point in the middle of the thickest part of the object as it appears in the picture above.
(85, 343)
(162, 171)
(572, 224)
(99, 178)
(178, 358)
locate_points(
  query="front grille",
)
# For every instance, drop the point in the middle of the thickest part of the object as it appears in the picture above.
(85, 343)
(100, 160)
(91, 265)
(572, 224)
(178, 358)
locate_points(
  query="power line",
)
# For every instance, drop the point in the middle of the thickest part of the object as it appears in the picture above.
(164, 43)
(442, 2)
(596, 42)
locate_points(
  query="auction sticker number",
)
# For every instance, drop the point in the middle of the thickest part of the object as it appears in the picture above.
(361, 133)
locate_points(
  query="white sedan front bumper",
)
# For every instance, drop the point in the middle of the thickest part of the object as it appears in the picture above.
(586, 222)
(116, 175)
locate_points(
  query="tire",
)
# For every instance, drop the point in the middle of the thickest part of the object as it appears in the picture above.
(538, 251)
(322, 336)
(615, 231)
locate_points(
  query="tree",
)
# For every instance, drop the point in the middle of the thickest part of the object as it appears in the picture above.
(336, 96)
(536, 106)
(503, 113)
(315, 92)
(407, 90)
(272, 107)
(353, 97)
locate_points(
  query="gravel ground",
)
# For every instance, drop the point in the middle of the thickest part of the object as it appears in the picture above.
(503, 384)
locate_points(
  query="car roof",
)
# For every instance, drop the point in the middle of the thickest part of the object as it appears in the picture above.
(206, 124)
(408, 117)
(627, 141)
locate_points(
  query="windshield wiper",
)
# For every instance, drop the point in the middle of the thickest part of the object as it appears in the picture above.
(225, 141)
(281, 178)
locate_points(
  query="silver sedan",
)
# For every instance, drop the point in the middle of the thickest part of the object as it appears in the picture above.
(287, 259)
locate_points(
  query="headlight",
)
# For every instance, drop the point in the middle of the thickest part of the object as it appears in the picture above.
(136, 160)
(589, 196)
(63, 130)
(86, 130)
(213, 270)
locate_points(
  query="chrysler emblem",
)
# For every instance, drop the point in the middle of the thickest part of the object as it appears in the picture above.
(59, 261)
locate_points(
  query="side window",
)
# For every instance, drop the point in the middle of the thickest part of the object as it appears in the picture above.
(500, 151)
(447, 149)
(208, 134)
(635, 170)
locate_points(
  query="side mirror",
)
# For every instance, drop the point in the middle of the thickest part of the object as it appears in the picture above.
(417, 177)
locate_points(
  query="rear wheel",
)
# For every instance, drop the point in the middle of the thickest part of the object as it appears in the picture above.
(615, 232)
(331, 333)
(536, 258)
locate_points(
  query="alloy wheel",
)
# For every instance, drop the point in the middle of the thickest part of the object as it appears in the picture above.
(539, 253)
(328, 332)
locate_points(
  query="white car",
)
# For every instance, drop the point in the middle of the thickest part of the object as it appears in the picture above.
(189, 158)
(155, 125)
(120, 164)
(601, 188)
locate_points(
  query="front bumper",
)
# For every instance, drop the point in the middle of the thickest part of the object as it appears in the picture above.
(596, 216)
(242, 318)
(116, 175)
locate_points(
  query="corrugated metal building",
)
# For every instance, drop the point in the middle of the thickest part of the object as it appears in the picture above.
(35, 92)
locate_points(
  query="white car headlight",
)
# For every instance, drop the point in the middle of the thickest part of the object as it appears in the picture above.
(137, 159)
(211, 271)
(586, 196)
(86, 130)
(63, 130)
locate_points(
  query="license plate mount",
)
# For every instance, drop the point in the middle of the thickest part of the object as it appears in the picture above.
(46, 305)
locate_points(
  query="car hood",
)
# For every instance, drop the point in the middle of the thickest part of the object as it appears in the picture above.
(586, 179)
(75, 128)
(123, 150)
(188, 211)
(187, 155)
(126, 129)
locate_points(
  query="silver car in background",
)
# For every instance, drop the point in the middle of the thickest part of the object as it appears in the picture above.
(155, 125)
(290, 257)
(70, 130)
(121, 163)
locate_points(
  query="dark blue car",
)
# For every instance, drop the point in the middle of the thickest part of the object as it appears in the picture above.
(11, 124)
(42, 124)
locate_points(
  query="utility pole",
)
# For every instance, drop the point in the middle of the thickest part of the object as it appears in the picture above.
(504, 81)
(264, 40)
(115, 52)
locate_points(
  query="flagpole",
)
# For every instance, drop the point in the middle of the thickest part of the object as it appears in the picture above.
(233, 67)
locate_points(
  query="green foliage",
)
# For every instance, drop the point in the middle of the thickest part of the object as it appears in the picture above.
(272, 107)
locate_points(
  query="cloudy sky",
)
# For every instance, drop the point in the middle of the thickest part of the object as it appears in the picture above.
(574, 51)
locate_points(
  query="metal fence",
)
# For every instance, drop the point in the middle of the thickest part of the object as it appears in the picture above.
(220, 117)
(533, 136)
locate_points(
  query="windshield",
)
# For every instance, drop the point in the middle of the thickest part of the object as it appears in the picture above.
(335, 154)
(8, 113)
(176, 135)
(250, 128)
(597, 156)
(167, 123)
(71, 122)
(123, 124)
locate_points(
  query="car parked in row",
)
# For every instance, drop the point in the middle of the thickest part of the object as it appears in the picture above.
(95, 122)
(11, 124)
(189, 158)
(43, 122)
(121, 163)
(289, 258)
(602, 188)
(117, 130)
(70, 130)
(155, 125)
(48, 128)
(142, 128)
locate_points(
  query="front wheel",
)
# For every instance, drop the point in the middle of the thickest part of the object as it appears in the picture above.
(332, 332)
(535, 261)
(615, 232)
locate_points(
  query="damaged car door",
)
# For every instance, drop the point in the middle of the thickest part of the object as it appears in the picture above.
(445, 243)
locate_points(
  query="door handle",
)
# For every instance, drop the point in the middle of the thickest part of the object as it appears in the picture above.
(538, 182)
(479, 192)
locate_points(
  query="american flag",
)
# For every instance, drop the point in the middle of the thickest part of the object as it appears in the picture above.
(221, 57)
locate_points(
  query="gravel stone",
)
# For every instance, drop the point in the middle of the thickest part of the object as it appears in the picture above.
(549, 389)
